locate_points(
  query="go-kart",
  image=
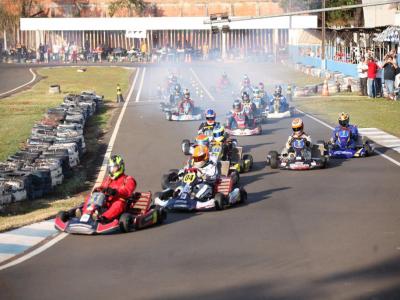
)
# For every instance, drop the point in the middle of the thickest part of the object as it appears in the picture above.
(299, 157)
(238, 124)
(189, 113)
(192, 194)
(260, 110)
(342, 149)
(84, 219)
(223, 85)
(277, 111)
(227, 153)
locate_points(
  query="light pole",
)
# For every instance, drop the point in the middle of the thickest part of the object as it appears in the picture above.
(323, 64)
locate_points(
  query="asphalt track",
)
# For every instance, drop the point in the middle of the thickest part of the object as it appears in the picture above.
(12, 76)
(322, 234)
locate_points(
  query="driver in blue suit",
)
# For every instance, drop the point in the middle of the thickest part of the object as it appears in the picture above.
(284, 106)
(344, 124)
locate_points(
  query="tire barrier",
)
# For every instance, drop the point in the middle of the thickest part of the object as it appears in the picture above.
(54, 148)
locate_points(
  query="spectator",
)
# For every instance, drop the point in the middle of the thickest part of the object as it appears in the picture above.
(378, 80)
(390, 71)
(41, 52)
(371, 82)
(362, 70)
(205, 51)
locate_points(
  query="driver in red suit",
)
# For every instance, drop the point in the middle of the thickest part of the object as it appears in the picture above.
(186, 99)
(118, 187)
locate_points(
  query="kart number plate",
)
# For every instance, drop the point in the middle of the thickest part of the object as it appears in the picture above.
(189, 178)
(85, 218)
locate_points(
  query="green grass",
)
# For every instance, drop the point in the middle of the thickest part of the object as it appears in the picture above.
(379, 113)
(19, 112)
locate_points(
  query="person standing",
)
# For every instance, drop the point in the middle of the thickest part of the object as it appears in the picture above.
(379, 80)
(362, 69)
(390, 71)
(372, 70)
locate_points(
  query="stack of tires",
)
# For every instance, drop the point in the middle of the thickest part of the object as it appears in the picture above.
(55, 147)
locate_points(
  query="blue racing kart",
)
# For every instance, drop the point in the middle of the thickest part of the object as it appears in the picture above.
(345, 148)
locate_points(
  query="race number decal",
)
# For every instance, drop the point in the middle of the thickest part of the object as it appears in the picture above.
(189, 178)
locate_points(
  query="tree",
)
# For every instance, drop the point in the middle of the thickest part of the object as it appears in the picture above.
(7, 19)
(333, 18)
(138, 6)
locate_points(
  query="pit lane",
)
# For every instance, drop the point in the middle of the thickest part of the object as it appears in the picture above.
(322, 234)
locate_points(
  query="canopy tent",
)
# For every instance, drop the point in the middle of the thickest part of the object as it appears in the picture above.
(390, 34)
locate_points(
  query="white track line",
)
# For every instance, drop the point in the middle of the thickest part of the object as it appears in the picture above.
(141, 85)
(21, 86)
(35, 252)
(202, 85)
(100, 177)
(107, 155)
(330, 127)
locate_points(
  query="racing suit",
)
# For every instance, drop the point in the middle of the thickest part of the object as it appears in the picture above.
(232, 120)
(204, 128)
(181, 106)
(304, 136)
(283, 104)
(353, 135)
(124, 186)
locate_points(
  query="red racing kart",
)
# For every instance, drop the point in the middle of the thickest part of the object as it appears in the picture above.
(139, 213)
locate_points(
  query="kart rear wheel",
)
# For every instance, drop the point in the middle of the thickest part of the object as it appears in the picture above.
(186, 147)
(368, 149)
(324, 162)
(249, 158)
(274, 159)
(126, 222)
(219, 201)
(235, 178)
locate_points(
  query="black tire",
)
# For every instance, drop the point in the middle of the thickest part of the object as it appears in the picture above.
(126, 222)
(324, 161)
(368, 149)
(235, 177)
(243, 195)
(186, 147)
(274, 159)
(161, 216)
(63, 216)
(219, 201)
(260, 129)
(248, 157)
(168, 116)
(170, 180)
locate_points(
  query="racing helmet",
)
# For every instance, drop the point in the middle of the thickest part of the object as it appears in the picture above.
(116, 166)
(256, 92)
(297, 126)
(261, 86)
(186, 94)
(219, 134)
(200, 156)
(245, 97)
(237, 107)
(210, 116)
(177, 88)
(278, 90)
(203, 140)
(344, 119)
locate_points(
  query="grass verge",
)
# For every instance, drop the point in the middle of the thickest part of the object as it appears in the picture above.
(19, 112)
(379, 113)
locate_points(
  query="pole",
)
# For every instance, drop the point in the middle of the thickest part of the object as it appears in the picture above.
(323, 65)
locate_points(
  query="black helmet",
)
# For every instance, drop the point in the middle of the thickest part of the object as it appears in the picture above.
(236, 105)
(245, 97)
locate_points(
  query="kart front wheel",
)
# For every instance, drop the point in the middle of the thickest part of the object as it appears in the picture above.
(274, 159)
(126, 222)
(248, 162)
(161, 216)
(63, 216)
(219, 201)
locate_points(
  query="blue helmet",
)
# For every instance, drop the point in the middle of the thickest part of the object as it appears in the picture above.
(210, 116)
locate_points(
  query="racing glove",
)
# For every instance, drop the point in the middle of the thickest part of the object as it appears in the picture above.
(110, 191)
